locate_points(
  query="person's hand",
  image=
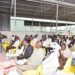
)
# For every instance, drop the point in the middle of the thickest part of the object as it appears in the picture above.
(20, 56)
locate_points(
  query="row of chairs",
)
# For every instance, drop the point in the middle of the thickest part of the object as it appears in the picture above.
(5, 44)
(68, 68)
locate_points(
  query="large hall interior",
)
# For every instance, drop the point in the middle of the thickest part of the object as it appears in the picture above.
(37, 37)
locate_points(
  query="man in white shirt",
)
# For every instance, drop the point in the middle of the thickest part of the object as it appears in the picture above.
(35, 59)
(14, 44)
(51, 64)
(49, 40)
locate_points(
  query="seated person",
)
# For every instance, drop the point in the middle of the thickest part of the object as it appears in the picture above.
(24, 50)
(72, 42)
(34, 40)
(27, 50)
(12, 39)
(2, 36)
(14, 44)
(64, 54)
(50, 63)
(73, 48)
(45, 43)
(35, 59)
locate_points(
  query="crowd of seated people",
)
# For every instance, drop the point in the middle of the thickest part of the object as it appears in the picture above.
(42, 50)
(14, 43)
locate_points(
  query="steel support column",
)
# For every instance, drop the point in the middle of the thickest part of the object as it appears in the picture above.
(15, 13)
(12, 5)
(57, 8)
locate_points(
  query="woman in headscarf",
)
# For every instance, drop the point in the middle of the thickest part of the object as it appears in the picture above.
(64, 54)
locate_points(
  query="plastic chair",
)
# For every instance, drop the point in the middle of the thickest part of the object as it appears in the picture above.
(68, 68)
(4, 45)
(38, 71)
(12, 51)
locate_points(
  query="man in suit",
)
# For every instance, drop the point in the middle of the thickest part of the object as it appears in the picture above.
(27, 50)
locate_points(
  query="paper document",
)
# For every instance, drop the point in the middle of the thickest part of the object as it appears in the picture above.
(21, 62)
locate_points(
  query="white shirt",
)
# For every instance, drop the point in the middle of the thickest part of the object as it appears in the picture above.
(66, 53)
(37, 57)
(45, 43)
(56, 47)
(33, 42)
(19, 51)
(49, 41)
(12, 38)
(16, 44)
(51, 61)
(68, 41)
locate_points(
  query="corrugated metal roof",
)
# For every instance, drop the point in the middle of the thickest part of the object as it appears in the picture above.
(43, 9)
